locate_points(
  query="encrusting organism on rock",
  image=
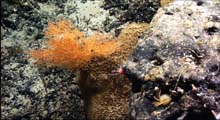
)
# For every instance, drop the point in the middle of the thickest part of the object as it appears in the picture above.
(93, 57)
(69, 48)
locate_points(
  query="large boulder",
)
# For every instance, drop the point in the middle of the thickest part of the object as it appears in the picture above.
(175, 68)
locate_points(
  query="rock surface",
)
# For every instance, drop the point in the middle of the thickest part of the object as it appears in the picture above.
(131, 10)
(178, 57)
(181, 59)
(35, 92)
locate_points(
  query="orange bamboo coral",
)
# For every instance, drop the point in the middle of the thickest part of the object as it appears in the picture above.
(69, 48)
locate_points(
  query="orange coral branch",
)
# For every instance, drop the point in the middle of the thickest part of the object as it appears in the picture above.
(67, 46)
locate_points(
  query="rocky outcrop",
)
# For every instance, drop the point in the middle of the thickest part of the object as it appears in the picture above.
(29, 91)
(175, 68)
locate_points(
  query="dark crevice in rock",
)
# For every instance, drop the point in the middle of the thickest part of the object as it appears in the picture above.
(212, 30)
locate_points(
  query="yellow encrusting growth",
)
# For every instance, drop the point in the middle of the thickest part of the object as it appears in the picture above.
(165, 2)
(69, 48)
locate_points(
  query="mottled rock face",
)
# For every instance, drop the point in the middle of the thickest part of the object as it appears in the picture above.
(29, 91)
(131, 10)
(179, 54)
